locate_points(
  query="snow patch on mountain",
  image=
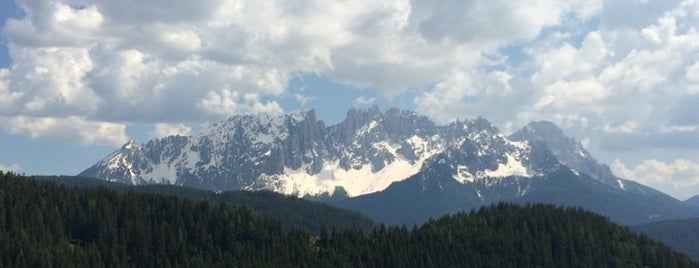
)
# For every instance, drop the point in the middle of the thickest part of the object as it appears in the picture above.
(162, 172)
(621, 184)
(512, 167)
(355, 181)
(368, 128)
(358, 180)
(298, 155)
(463, 175)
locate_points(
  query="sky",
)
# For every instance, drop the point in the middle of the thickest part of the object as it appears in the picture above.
(79, 78)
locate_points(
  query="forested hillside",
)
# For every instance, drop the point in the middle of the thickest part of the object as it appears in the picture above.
(43, 224)
(682, 235)
(291, 211)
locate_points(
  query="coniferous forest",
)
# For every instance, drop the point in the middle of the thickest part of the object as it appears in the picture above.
(292, 212)
(43, 224)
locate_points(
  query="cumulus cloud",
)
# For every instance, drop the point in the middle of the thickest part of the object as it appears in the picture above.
(468, 93)
(102, 60)
(67, 129)
(364, 100)
(304, 99)
(10, 167)
(163, 130)
(680, 177)
(467, 21)
(628, 82)
(578, 63)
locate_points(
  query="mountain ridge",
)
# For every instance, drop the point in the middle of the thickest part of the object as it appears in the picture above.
(391, 157)
(297, 154)
(694, 200)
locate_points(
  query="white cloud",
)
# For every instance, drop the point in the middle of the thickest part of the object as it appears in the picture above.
(467, 93)
(51, 82)
(363, 100)
(7, 97)
(10, 167)
(623, 78)
(304, 99)
(679, 178)
(135, 62)
(68, 129)
(568, 62)
(579, 63)
(161, 130)
(627, 127)
(468, 21)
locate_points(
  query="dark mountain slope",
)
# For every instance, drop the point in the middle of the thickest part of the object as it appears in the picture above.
(433, 193)
(506, 235)
(681, 235)
(568, 188)
(292, 212)
(396, 166)
(43, 224)
(694, 201)
(446, 185)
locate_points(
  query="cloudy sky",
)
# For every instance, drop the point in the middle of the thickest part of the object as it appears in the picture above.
(78, 78)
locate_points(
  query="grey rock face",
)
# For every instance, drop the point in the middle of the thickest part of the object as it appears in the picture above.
(238, 152)
(297, 154)
(566, 150)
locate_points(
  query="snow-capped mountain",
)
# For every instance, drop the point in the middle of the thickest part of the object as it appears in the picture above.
(293, 154)
(567, 151)
(297, 154)
(414, 168)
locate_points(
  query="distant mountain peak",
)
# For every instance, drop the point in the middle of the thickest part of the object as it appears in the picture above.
(129, 145)
(543, 128)
(694, 201)
(482, 124)
(395, 160)
(369, 150)
(303, 114)
(568, 151)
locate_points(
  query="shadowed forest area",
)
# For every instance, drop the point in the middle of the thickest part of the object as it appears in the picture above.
(45, 224)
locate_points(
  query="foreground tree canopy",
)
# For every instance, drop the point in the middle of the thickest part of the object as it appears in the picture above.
(43, 224)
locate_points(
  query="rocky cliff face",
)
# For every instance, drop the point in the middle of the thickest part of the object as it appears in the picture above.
(297, 154)
(568, 151)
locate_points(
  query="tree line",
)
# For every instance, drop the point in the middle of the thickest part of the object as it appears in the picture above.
(43, 224)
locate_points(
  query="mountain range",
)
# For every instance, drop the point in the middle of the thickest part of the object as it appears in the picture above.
(396, 166)
(694, 200)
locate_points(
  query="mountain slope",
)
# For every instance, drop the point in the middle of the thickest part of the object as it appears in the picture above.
(412, 167)
(439, 188)
(694, 201)
(681, 235)
(290, 211)
(296, 154)
(568, 151)
(45, 225)
(433, 193)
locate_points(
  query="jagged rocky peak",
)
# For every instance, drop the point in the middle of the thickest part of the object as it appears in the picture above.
(541, 130)
(474, 131)
(128, 151)
(693, 201)
(405, 123)
(369, 150)
(553, 136)
(355, 120)
(304, 144)
(481, 124)
(303, 115)
(129, 145)
(567, 150)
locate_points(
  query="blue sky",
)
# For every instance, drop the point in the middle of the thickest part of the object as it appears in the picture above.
(7, 9)
(84, 77)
